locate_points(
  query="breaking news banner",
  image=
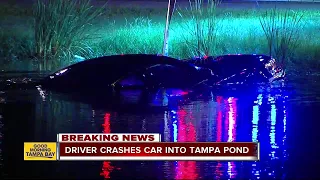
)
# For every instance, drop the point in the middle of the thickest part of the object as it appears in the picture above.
(160, 151)
(43, 151)
(140, 147)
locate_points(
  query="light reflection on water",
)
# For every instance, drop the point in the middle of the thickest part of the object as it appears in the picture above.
(187, 123)
(232, 114)
(218, 118)
(276, 154)
(255, 119)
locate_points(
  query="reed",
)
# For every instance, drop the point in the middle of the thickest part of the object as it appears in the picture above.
(60, 29)
(201, 24)
(282, 30)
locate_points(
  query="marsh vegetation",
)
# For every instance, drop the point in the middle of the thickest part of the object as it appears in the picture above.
(51, 35)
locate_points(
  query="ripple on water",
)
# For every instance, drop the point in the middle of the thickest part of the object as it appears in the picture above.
(261, 118)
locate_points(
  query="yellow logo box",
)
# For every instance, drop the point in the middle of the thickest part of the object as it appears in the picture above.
(40, 151)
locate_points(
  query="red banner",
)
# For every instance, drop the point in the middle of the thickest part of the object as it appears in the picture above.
(159, 151)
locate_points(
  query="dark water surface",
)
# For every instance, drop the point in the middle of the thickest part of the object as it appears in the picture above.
(284, 121)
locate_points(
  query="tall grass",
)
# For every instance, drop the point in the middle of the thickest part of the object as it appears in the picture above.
(61, 26)
(139, 36)
(201, 24)
(282, 30)
(134, 30)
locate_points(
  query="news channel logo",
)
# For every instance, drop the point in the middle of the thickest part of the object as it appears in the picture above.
(40, 151)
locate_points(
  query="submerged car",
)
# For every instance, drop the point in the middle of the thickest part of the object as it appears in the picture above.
(241, 69)
(126, 72)
(153, 72)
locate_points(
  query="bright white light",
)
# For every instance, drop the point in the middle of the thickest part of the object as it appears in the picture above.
(42, 93)
(61, 72)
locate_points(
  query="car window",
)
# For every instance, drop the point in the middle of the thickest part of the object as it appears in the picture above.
(165, 74)
(230, 65)
(131, 80)
(162, 70)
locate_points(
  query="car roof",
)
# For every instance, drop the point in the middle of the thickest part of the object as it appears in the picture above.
(131, 61)
(110, 68)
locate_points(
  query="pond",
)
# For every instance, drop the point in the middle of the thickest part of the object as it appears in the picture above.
(285, 121)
